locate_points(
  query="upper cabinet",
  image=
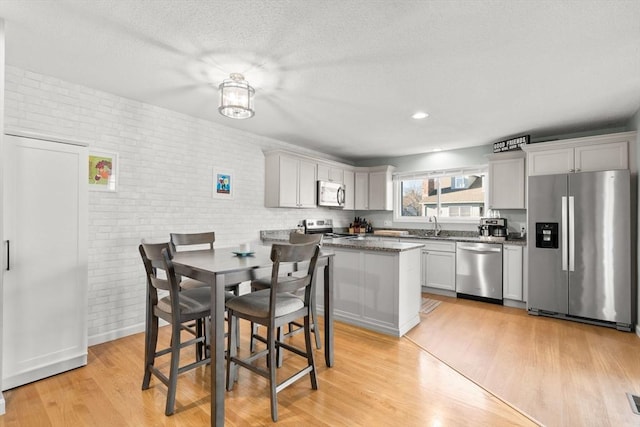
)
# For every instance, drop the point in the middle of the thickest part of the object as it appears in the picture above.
(349, 189)
(374, 188)
(330, 173)
(594, 153)
(507, 181)
(290, 181)
(361, 202)
(381, 188)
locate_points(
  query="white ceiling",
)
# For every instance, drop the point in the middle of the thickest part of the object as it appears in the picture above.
(344, 76)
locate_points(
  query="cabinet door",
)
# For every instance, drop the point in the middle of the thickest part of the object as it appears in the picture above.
(507, 184)
(549, 162)
(330, 173)
(307, 184)
(601, 157)
(288, 181)
(349, 190)
(380, 287)
(440, 270)
(377, 190)
(347, 279)
(512, 272)
(45, 283)
(362, 191)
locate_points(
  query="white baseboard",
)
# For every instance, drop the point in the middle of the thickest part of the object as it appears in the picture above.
(2, 407)
(119, 333)
(115, 334)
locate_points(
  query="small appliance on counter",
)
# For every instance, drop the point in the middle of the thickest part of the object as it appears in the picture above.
(493, 228)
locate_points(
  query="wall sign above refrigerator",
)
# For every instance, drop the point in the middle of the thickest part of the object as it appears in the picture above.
(511, 144)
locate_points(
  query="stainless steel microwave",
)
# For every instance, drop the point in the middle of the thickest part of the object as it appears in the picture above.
(330, 194)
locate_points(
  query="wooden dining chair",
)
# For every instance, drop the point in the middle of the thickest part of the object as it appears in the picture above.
(274, 308)
(178, 308)
(195, 241)
(294, 327)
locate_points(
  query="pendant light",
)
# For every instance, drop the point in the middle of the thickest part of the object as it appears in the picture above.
(236, 97)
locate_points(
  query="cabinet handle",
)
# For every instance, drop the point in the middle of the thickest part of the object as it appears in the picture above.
(8, 255)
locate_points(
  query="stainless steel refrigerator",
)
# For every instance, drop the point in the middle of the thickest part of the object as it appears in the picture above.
(580, 247)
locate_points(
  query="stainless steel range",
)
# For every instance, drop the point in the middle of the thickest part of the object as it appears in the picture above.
(321, 226)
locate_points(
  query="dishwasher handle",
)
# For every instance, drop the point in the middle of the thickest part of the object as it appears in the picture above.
(479, 250)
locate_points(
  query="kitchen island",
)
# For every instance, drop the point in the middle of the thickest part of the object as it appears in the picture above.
(377, 284)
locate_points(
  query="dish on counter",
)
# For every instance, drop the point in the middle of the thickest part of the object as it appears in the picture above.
(242, 254)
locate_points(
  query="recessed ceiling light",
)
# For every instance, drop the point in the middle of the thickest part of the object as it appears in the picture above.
(435, 150)
(419, 115)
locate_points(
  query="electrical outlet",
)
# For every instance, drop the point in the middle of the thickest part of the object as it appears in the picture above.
(388, 223)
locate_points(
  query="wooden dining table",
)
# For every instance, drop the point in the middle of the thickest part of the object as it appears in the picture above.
(221, 267)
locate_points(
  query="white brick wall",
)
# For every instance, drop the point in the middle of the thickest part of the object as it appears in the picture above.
(166, 162)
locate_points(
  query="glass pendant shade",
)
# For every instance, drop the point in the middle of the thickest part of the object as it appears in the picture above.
(236, 97)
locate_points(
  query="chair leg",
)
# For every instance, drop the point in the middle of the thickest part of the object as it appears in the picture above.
(308, 346)
(173, 370)
(200, 346)
(252, 341)
(314, 315)
(232, 350)
(151, 343)
(271, 345)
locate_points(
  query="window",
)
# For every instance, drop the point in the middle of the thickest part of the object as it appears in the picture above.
(456, 195)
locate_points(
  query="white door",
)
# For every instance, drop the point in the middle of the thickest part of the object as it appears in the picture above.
(45, 273)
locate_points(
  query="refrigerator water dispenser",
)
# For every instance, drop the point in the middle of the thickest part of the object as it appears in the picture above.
(547, 235)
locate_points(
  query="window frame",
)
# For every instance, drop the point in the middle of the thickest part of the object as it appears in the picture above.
(397, 196)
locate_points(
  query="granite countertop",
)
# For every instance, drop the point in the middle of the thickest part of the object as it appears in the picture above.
(363, 243)
(384, 243)
(473, 239)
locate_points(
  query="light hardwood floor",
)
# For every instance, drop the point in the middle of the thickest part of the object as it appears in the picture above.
(377, 381)
(559, 372)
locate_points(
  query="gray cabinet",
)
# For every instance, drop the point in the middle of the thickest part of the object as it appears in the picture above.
(330, 173)
(361, 191)
(381, 188)
(594, 153)
(439, 265)
(507, 181)
(377, 290)
(349, 189)
(290, 181)
(512, 272)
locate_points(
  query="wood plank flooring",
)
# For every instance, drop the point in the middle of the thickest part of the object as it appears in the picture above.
(559, 372)
(377, 381)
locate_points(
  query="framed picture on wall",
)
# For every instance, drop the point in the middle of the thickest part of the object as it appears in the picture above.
(103, 170)
(223, 184)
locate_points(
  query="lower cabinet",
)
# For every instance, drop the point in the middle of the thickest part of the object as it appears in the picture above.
(439, 265)
(377, 290)
(512, 272)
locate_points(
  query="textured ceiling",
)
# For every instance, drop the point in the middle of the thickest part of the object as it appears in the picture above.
(344, 77)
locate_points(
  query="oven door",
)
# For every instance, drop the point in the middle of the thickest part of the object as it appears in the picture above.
(330, 194)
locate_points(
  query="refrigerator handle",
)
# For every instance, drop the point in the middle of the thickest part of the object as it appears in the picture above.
(572, 239)
(564, 243)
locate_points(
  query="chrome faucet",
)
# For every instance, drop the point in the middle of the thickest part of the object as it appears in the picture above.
(437, 228)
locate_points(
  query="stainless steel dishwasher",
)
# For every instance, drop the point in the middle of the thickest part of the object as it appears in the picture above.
(479, 271)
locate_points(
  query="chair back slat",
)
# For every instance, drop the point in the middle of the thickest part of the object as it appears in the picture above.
(293, 253)
(296, 237)
(153, 257)
(190, 239)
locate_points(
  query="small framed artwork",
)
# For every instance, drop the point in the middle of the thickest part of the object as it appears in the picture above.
(103, 170)
(223, 184)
